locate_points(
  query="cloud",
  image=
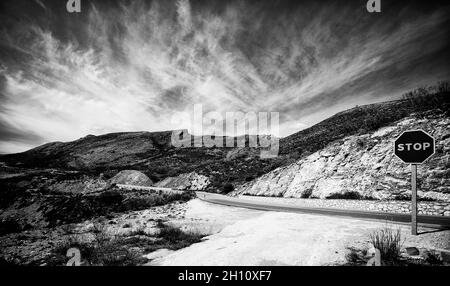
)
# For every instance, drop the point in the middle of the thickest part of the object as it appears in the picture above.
(39, 2)
(130, 66)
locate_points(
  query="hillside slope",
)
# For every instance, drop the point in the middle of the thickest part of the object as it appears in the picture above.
(364, 166)
(153, 154)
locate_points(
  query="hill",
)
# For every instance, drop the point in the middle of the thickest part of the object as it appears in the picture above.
(363, 166)
(153, 154)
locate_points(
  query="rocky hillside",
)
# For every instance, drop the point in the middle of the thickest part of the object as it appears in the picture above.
(190, 181)
(149, 152)
(153, 154)
(364, 166)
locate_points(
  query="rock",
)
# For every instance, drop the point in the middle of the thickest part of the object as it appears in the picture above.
(412, 251)
(131, 177)
(158, 253)
(348, 165)
(371, 251)
(188, 181)
(329, 186)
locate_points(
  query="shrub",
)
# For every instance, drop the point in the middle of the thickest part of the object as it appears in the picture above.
(352, 195)
(249, 178)
(307, 193)
(402, 197)
(109, 173)
(9, 225)
(174, 238)
(110, 197)
(389, 243)
(103, 250)
(433, 258)
(227, 188)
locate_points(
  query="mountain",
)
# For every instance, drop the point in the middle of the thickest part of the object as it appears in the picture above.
(153, 154)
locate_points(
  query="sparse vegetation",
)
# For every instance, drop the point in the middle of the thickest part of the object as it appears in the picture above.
(433, 258)
(351, 195)
(407, 197)
(227, 188)
(307, 194)
(389, 242)
(61, 208)
(363, 119)
(138, 231)
(103, 250)
(176, 237)
(9, 225)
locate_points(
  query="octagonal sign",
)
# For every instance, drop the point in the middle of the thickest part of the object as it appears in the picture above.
(414, 146)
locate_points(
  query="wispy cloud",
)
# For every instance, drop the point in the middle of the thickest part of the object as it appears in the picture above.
(129, 67)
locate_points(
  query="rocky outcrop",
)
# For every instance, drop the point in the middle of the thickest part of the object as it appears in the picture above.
(131, 177)
(363, 165)
(83, 185)
(188, 181)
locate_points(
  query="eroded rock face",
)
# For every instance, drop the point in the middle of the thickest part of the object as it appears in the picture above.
(364, 164)
(131, 177)
(188, 181)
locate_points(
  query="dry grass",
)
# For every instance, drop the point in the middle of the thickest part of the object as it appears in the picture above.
(104, 249)
(389, 242)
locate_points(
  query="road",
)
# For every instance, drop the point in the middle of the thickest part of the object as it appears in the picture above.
(423, 220)
(147, 188)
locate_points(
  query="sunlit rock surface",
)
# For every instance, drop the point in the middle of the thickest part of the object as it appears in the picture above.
(363, 164)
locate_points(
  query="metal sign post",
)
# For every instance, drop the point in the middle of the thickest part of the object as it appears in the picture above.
(414, 147)
(413, 199)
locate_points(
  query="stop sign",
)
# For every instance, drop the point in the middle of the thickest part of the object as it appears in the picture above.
(414, 146)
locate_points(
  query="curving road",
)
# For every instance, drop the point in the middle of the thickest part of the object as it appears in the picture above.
(424, 220)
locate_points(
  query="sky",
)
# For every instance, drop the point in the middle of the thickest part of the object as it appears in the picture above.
(142, 65)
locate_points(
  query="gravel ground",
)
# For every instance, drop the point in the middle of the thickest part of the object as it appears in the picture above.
(34, 245)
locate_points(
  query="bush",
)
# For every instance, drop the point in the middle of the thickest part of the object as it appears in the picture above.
(109, 173)
(433, 258)
(249, 178)
(352, 195)
(307, 193)
(110, 197)
(402, 197)
(9, 225)
(389, 243)
(227, 188)
(103, 250)
(174, 238)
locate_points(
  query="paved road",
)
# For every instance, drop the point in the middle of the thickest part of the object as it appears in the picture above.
(424, 220)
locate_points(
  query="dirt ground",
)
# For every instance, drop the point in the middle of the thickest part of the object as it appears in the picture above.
(249, 237)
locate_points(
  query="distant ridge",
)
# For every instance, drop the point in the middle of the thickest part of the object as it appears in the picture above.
(153, 153)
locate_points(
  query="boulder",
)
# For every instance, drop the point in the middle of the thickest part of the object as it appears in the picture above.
(187, 181)
(131, 177)
(412, 251)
